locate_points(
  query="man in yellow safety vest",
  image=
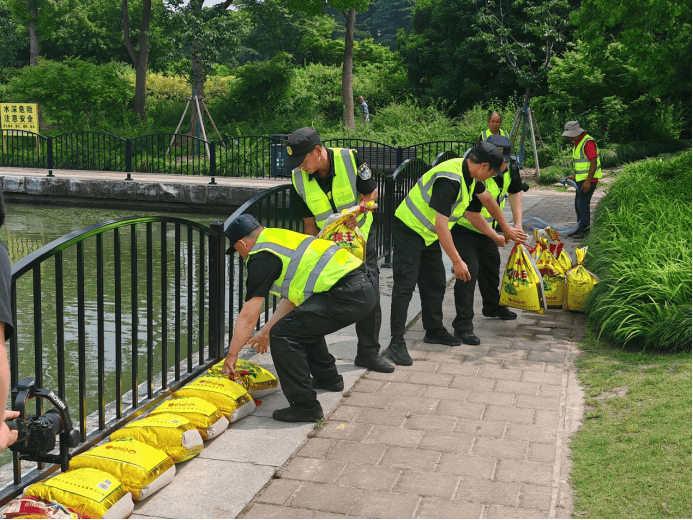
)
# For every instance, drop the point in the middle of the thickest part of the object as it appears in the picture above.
(323, 288)
(326, 181)
(588, 171)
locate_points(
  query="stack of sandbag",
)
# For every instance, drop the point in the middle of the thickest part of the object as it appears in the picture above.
(202, 414)
(89, 492)
(522, 286)
(254, 378)
(231, 398)
(579, 283)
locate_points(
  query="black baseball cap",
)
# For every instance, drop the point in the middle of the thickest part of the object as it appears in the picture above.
(238, 228)
(503, 144)
(299, 144)
(491, 154)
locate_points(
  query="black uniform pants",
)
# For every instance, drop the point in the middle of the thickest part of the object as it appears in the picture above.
(414, 263)
(481, 255)
(368, 328)
(297, 341)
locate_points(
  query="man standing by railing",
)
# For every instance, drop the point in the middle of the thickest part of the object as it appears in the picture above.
(326, 181)
(323, 287)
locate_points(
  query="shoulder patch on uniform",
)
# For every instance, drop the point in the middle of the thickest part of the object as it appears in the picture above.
(365, 172)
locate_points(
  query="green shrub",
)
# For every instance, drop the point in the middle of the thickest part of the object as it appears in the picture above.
(73, 90)
(640, 248)
(553, 174)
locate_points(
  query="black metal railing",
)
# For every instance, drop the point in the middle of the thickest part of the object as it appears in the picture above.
(114, 318)
(249, 156)
(444, 156)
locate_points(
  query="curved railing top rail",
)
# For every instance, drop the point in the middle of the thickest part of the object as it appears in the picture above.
(59, 244)
(23, 133)
(367, 142)
(248, 204)
(414, 162)
(444, 156)
(448, 141)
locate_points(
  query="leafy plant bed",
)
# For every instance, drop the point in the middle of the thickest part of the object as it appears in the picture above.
(632, 455)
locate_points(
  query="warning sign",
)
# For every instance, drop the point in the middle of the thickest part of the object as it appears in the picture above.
(19, 116)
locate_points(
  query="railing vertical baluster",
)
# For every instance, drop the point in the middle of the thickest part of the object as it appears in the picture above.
(135, 314)
(389, 216)
(216, 287)
(201, 300)
(82, 343)
(176, 322)
(100, 331)
(190, 267)
(164, 309)
(128, 159)
(38, 335)
(117, 279)
(150, 312)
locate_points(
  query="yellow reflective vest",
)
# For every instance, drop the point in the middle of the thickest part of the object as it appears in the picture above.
(485, 134)
(415, 210)
(582, 164)
(497, 193)
(344, 191)
(309, 265)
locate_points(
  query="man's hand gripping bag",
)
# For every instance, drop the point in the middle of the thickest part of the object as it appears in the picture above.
(336, 230)
(254, 378)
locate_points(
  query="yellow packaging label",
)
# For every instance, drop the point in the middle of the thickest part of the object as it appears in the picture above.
(337, 231)
(170, 433)
(133, 463)
(89, 492)
(201, 414)
(522, 286)
(553, 277)
(228, 396)
(254, 378)
(579, 283)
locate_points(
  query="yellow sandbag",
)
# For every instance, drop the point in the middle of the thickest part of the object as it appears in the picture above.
(557, 249)
(522, 286)
(352, 240)
(141, 469)
(35, 507)
(91, 493)
(229, 397)
(553, 276)
(254, 378)
(202, 414)
(579, 283)
(168, 432)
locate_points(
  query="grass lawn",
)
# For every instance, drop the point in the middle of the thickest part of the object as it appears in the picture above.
(632, 456)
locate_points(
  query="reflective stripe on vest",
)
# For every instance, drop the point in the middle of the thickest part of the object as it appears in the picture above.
(497, 193)
(309, 265)
(415, 210)
(582, 164)
(344, 193)
(485, 134)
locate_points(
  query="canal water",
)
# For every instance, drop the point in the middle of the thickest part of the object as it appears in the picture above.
(27, 228)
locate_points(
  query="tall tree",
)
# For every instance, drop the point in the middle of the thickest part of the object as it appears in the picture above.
(26, 12)
(348, 9)
(140, 58)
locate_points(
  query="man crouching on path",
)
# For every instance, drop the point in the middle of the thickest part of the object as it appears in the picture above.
(323, 289)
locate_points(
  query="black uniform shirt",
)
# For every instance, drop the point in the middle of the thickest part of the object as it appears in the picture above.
(263, 269)
(5, 285)
(364, 187)
(446, 191)
(515, 187)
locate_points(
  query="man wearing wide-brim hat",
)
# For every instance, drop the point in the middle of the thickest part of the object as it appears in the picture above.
(323, 287)
(588, 171)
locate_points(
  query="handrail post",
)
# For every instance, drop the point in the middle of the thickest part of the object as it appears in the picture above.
(388, 218)
(217, 289)
(50, 157)
(128, 159)
(400, 153)
(212, 161)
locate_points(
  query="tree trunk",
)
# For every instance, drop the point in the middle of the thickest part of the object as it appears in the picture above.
(141, 86)
(348, 71)
(139, 59)
(33, 37)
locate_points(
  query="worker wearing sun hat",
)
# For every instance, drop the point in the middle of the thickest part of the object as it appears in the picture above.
(323, 288)
(588, 171)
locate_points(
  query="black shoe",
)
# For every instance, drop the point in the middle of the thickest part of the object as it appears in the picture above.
(374, 363)
(441, 337)
(397, 352)
(503, 313)
(467, 337)
(336, 386)
(578, 235)
(300, 412)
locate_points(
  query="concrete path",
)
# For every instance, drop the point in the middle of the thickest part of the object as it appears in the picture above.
(466, 432)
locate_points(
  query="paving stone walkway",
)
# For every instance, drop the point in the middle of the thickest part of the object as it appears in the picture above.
(466, 432)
